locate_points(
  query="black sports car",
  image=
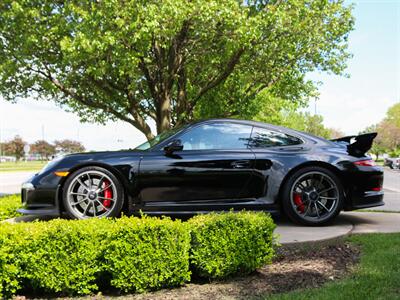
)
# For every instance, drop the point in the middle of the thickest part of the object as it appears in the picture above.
(214, 165)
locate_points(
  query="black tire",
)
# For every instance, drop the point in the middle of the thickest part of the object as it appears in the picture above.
(289, 204)
(96, 182)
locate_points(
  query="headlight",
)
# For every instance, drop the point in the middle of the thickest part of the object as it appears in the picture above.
(27, 186)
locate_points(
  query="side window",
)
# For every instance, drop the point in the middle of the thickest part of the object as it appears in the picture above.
(217, 136)
(264, 138)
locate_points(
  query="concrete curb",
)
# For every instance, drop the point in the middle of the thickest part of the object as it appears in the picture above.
(291, 234)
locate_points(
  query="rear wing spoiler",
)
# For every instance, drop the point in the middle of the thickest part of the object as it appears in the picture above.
(358, 145)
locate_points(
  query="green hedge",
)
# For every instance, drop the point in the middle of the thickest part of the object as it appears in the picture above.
(68, 257)
(231, 243)
(9, 206)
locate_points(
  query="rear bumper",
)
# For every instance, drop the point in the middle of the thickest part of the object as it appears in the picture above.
(364, 188)
(368, 199)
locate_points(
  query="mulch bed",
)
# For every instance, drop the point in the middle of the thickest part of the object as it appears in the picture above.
(295, 267)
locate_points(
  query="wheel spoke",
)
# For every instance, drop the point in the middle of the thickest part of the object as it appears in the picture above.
(327, 190)
(307, 182)
(300, 186)
(320, 182)
(308, 208)
(103, 205)
(103, 189)
(78, 194)
(316, 210)
(104, 198)
(90, 180)
(94, 209)
(83, 184)
(100, 182)
(328, 198)
(323, 206)
(86, 209)
(78, 202)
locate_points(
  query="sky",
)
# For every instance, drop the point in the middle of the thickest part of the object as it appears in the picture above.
(347, 104)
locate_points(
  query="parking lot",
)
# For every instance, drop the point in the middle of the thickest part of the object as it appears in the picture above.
(391, 186)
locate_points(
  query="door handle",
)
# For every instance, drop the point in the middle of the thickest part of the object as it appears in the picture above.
(240, 164)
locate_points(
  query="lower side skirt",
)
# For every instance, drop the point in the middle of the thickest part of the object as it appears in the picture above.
(202, 207)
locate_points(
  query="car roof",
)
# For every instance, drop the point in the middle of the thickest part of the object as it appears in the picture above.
(266, 126)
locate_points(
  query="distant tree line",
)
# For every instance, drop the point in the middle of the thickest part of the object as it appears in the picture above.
(41, 148)
(388, 139)
(278, 111)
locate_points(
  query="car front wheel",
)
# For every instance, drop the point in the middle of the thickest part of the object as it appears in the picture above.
(92, 192)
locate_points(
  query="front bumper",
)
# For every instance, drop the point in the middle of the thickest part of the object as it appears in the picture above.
(39, 201)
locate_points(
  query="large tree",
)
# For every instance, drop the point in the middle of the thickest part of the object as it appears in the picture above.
(393, 115)
(43, 148)
(15, 147)
(169, 61)
(69, 146)
(388, 139)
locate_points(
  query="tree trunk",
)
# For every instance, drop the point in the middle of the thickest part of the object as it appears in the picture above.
(164, 113)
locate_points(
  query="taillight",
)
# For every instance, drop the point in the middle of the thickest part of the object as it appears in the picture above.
(377, 189)
(365, 163)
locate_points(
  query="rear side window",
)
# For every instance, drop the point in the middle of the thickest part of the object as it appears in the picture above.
(265, 138)
(216, 136)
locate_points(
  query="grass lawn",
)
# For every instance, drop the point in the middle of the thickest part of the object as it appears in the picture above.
(376, 277)
(22, 166)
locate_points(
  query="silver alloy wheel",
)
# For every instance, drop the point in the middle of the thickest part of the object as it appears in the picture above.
(88, 195)
(314, 196)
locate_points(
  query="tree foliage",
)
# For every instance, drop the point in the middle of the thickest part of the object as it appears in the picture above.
(388, 139)
(15, 147)
(43, 148)
(169, 61)
(393, 115)
(69, 146)
(289, 114)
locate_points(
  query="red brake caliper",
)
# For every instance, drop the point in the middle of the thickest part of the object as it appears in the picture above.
(299, 203)
(107, 193)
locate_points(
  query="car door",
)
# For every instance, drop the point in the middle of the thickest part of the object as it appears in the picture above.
(213, 168)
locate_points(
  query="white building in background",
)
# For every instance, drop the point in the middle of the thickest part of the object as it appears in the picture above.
(7, 159)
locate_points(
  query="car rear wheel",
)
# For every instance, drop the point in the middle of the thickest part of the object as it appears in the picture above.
(313, 196)
(92, 192)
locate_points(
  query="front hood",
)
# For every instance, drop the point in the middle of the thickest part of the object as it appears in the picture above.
(68, 161)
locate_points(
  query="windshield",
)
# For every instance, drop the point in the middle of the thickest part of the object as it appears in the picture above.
(159, 138)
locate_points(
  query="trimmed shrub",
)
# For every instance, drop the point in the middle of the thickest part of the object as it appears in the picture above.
(147, 253)
(130, 254)
(230, 243)
(11, 242)
(70, 257)
(60, 256)
(9, 206)
(65, 256)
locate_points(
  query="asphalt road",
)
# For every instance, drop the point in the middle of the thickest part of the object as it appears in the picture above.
(10, 183)
(391, 186)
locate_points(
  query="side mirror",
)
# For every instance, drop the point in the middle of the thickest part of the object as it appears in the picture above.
(174, 145)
